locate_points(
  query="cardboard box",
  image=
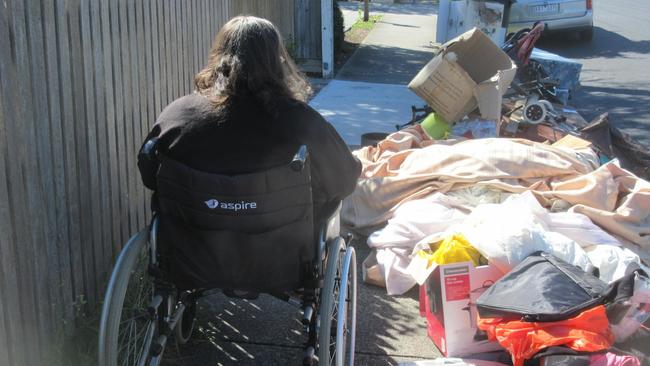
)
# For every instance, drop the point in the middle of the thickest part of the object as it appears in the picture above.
(448, 301)
(470, 71)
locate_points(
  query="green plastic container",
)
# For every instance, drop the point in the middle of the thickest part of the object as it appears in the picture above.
(436, 127)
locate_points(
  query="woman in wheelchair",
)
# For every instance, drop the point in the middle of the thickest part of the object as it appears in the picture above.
(247, 180)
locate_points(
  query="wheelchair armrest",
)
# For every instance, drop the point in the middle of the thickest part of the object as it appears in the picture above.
(148, 163)
(332, 227)
(298, 162)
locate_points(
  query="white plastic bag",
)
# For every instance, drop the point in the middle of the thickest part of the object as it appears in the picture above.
(505, 234)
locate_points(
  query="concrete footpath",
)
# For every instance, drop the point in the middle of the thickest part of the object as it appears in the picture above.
(369, 94)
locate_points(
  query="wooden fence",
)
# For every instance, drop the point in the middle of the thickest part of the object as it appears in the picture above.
(306, 38)
(81, 83)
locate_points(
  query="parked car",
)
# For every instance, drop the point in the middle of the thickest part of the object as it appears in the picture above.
(559, 15)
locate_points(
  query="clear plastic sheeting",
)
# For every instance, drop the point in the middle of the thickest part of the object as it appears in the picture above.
(478, 195)
(627, 317)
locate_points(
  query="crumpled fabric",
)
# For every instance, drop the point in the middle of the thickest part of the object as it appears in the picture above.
(398, 171)
(416, 219)
(587, 332)
(409, 166)
(614, 199)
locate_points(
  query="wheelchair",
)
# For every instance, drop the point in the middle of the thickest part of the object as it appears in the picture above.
(244, 235)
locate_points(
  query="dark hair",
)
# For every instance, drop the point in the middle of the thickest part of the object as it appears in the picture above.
(248, 57)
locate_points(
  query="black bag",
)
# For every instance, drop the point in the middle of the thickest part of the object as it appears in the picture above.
(544, 288)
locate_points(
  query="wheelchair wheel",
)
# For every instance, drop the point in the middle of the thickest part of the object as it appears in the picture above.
(338, 307)
(127, 328)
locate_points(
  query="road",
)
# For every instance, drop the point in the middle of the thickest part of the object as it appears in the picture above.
(616, 65)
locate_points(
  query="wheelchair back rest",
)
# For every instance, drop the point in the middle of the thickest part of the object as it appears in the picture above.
(250, 203)
(248, 231)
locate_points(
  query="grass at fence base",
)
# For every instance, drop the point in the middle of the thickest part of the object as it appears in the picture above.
(76, 345)
(360, 24)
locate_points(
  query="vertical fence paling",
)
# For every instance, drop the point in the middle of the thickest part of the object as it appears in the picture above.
(81, 83)
(306, 29)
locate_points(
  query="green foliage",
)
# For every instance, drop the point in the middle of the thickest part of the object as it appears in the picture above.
(77, 347)
(360, 24)
(339, 28)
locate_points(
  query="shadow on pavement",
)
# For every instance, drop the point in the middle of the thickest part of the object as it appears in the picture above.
(399, 25)
(268, 331)
(229, 331)
(386, 321)
(627, 108)
(605, 44)
(374, 63)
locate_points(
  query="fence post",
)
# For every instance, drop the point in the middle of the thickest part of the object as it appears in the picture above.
(327, 29)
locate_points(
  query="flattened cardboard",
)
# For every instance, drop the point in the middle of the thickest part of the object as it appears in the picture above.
(470, 71)
(573, 142)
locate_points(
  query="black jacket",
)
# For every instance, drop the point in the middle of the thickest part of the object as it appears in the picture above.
(243, 138)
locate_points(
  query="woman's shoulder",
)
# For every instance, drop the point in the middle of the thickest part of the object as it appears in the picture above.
(187, 106)
(300, 112)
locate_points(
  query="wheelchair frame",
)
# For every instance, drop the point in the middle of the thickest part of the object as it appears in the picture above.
(135, 329)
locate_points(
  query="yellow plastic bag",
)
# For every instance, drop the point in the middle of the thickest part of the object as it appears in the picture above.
(454, 249)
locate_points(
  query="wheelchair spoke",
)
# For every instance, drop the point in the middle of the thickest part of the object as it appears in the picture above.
(336, 312)
(142, 315)
(131, 345)
(336, 334)
(136, 326)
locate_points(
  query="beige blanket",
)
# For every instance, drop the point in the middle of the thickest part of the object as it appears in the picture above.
(409, 165)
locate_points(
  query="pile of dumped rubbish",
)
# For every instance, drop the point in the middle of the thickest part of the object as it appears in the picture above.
(526, 228)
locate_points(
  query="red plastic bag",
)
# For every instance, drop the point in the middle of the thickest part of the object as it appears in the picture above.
(586, 332)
